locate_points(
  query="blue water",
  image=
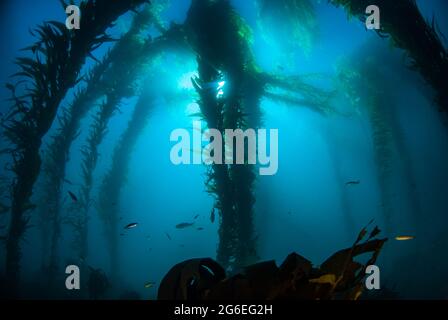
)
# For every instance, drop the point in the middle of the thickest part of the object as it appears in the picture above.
(298, 209)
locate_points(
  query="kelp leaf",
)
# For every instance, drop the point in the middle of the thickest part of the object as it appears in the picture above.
(325, 279)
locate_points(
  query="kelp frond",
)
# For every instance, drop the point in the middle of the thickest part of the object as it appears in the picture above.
(116, 177)
(294, 18)
(403, 22)
(294, 90)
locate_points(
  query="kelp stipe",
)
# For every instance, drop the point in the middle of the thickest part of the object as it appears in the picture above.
(54, 167)
(116, 84)
(58, 56)
(360, 82)
(229, 58)
(116, 177)
(130, 59)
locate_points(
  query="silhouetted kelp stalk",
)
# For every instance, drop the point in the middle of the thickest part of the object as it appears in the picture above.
(341, 180)
(224, 56)
(367, 94)
(98, 84)
(116, 84)
(116, 177)
(388, 144)
(4, 208)
(56, 158)
(130, 60)
(387, 137)
(58, 57)
(383, 152)
(408, 30)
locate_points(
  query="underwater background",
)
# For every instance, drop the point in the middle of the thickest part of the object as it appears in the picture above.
(380, 130)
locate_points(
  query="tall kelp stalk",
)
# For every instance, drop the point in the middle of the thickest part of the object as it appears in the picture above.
(129, 61)
(56, 158)
(98, 84)
(408, 30)
(384, 116)
(58, 56)
(361, 82)
(117, 83)
(225, 59)
(223, 55)
(368, 94)
(341, 180)
(116, 177)
(295, 18)
(383, 151)
(4, 209)
(407, 166)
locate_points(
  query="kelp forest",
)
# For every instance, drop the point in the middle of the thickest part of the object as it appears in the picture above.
(361, 174)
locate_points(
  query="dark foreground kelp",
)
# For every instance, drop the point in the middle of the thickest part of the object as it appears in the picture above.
(338, 277)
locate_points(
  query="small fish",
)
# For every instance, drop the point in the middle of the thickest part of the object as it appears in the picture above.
(149, 284)
(72, 195)
(195, 217)
(168, 236)
(182, 246)
(184, 225)
(404, 238)
(352, 183)
(200, 228)
(131, 225)
(212, 215)
(68, 182)
(121, 218)
(121, 234)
